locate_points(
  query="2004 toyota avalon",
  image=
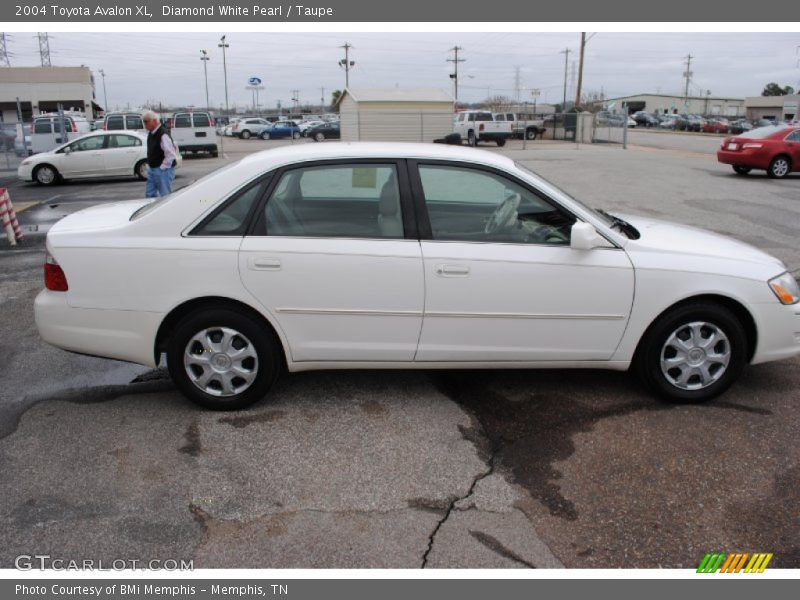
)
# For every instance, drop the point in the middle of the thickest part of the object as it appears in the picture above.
(351, 256)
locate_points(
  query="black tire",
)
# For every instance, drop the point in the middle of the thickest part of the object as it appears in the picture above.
(214, 153)
(741, 170)
(252, 336)
(46, 175)
(296, 135)
(704, 316)
(141, 169)
(264, 135)
(780, 167)
(319, 137)
(245, 135)
(472, 139)
(531, 134)
(501, 143)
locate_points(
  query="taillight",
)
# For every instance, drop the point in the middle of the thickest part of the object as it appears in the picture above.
(74, 127)
(481, 127)
(105, 125)
(172, 123)
(752, 145)
(54, 278)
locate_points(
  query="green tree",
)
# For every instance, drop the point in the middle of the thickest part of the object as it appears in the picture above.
(773, 89)
(335, 99)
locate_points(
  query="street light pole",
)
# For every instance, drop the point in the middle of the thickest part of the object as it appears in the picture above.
(205, 58)
(224, 45)
(105, 96)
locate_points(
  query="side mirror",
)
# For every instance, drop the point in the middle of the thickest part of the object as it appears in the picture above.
(584, 236)
(67, 150)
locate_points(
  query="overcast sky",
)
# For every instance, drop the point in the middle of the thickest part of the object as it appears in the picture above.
(158, 67)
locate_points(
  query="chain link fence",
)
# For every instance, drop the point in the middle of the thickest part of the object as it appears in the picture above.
(15, 144)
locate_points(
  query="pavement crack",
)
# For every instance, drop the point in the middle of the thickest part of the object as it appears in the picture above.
(493, 544)
(479, 477)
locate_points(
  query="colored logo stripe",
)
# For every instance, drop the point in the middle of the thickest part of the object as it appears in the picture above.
(733, 563)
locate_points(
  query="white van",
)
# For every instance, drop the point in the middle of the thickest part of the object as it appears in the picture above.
(194, 132)
(48, 131)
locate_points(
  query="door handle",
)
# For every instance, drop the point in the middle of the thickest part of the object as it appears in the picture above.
(452, 270)
(264, 264)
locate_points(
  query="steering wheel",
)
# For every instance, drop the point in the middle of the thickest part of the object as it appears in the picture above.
(505, 215)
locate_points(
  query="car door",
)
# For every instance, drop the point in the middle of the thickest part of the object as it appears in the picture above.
(83, 158)
(793, 143)
(335, 259)
(502, 282)
(122, 153)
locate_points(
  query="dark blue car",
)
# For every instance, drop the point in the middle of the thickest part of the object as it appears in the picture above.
(283, 129)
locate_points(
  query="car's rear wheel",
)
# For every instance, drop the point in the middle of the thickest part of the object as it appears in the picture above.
(141, 169)
(245, 135)
(45, 175)
(471, 139)
(501, 143)
(530, 134)
(265, 135)
(222, 359)
(319, 136)
(296, 135)
(741, 170)
(780, 167)
(692, 353)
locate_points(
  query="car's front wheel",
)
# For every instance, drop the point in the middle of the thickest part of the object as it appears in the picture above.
(472, 140)
(319, 136)
(692, 353)
(296, 135)
(501, 143)
(45, 175)
(265, 135)
(245, 135)
(141, 169)
(741, 170)
(223, 359)
(779, 167)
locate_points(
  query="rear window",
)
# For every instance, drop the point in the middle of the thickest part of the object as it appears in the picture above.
(42, 126)
(201, 120)
(764, 132)
(183, 120)
(483, 117)
(134, 122)
(115, 122)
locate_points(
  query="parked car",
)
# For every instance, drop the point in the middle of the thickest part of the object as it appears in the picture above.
(50, 130)
(326, 131)
(522, 125)
(194, 132)
(479, 126)
(97, 154)
(740, 126)
(251, 127)
(343, 256)
(775, 149)
(116, 121)
(22, 141)
(283, 129)
(304, 126)
(715, 126)
(645, 119)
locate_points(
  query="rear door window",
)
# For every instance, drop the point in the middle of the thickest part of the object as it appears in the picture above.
(183, 120)
(43, 126)
(201, 120)
(134, 122)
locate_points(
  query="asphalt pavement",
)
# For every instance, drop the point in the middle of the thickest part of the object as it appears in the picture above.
(479, 469)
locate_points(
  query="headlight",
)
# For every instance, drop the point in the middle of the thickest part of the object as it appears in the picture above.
(27, 161)
(785, 288)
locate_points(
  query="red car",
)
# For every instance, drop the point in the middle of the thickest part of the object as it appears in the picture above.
(775, 148)
(715, 126)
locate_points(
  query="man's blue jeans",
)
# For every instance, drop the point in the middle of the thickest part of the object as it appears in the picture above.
(159, 182)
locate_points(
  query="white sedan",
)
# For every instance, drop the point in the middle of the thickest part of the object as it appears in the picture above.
(98, 154)
(414, 256)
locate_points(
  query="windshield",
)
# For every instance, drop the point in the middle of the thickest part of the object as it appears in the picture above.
(148, 208)
(607, 220)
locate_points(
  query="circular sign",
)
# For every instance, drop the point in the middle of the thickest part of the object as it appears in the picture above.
(254, 81)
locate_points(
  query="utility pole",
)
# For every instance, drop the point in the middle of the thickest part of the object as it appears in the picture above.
(222, 44)
(517, 83)
(346, 63)
(105, 96)
(4, 50)
(296, 99)
(205, 58)
(688, 75)
(565, 52)
(454, 76)
(322, 99)
(44, 49)
(580, 71)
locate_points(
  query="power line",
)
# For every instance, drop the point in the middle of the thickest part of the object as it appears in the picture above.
(44, 49)
(454, 76)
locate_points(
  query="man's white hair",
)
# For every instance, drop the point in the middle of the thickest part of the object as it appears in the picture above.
(149, 115)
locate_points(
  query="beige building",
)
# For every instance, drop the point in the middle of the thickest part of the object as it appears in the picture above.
(395, 114)
(41, 89)
(777, 108)
(660, 104)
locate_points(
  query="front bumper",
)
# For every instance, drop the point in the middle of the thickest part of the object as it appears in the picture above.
(778, 329)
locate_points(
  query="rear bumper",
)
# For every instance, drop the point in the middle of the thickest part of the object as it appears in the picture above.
(493, 136)
(118, 334)
(744, 158)
(199, 148)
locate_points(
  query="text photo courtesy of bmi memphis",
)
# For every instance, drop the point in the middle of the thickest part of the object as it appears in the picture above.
(405, 299)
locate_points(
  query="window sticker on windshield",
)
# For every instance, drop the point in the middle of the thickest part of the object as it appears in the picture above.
(365, 177)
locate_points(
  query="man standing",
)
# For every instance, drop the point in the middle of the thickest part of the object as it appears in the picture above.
(161, 157)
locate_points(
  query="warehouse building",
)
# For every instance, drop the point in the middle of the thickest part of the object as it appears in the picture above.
(774, 108)
(396, 114)
(661, 104)
(41, 89)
